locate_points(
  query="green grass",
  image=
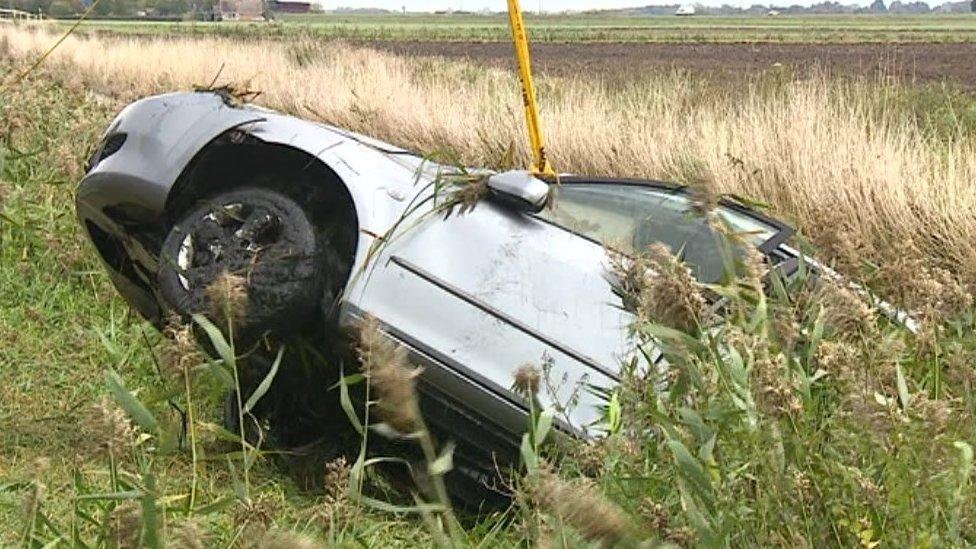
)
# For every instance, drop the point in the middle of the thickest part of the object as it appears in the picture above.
(62, 325)
(805, 420)
(814, 29)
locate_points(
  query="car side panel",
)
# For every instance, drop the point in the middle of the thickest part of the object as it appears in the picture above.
(492, 290)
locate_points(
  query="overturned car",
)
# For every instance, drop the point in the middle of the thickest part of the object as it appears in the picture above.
(328, 227)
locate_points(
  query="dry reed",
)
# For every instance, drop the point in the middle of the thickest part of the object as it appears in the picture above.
(817, 149)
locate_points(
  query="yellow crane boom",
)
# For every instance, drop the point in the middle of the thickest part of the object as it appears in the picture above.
(540, 165)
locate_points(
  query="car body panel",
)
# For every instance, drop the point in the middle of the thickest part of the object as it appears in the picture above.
(163, 134)
(472, 296)
(492, 290)
(381, 183)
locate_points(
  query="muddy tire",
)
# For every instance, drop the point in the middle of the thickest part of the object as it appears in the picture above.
(263, 238)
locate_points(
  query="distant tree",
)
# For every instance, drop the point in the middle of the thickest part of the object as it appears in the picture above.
(104, 7)
(267, 12)
(200, 9)
(908, 7)
(171, 7)
(878, 6)
(972, 6)
(61, 8)
(117, 8)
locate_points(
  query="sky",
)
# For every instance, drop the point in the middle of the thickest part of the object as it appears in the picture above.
(548, 5)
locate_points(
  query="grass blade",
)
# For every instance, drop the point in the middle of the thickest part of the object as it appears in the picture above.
(136, 410)
(265, 385)
(346, 402)
(217, 339)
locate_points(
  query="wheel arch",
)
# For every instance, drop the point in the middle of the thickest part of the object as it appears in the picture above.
(238, 158)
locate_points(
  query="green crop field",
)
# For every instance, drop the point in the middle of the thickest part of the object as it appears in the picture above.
(959, 28)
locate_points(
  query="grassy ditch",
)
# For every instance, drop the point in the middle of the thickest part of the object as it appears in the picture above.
(805, 419)
(65, 446)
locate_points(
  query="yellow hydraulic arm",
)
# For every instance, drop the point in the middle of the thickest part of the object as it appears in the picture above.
(540, 165)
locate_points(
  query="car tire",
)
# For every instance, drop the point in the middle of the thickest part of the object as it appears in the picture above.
(260, 235)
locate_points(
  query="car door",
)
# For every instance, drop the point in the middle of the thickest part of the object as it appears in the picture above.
(482, 293)
(479, 294)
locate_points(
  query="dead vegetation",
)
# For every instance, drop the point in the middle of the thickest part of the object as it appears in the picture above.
(866, 184)
(392, 378)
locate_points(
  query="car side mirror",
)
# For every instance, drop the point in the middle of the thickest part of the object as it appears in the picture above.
(520, 189)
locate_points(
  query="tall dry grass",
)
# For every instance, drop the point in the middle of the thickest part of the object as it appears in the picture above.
(825, 154)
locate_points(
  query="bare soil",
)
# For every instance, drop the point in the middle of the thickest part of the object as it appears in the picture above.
(918, 63)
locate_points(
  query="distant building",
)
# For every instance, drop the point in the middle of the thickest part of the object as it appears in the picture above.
(772, 13)
(289, 6)
(686, 10)
(239, 10)
(12, 14)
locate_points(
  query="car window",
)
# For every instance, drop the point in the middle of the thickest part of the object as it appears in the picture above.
(631, 217)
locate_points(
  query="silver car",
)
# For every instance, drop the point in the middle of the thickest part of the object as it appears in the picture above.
(329, 226)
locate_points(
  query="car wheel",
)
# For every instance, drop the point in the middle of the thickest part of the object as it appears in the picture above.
(262, 237)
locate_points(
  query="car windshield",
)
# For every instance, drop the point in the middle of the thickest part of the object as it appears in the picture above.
(630, 217)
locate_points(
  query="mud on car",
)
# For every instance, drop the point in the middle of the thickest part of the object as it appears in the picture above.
(329, 227)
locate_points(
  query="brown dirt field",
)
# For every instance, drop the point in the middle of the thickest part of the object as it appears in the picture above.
(921, 63)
